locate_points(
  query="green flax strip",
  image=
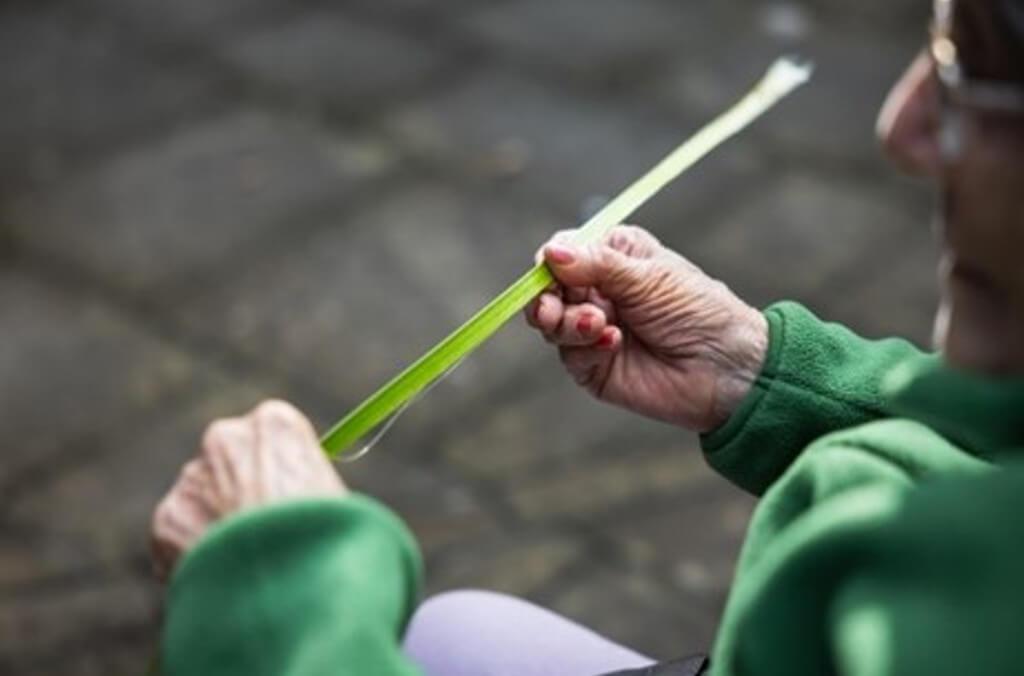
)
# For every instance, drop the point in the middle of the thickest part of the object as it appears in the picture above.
(782, 78)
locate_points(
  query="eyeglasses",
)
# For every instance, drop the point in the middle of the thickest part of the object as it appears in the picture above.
(960, 94)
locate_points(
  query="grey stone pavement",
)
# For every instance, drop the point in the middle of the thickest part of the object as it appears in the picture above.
(204, 203)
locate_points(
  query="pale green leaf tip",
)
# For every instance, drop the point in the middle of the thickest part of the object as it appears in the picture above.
(791, 71)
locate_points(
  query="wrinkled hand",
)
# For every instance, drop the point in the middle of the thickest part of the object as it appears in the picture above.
(641, 327)
(270, 455)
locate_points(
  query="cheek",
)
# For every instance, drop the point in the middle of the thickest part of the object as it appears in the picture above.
(985, 212)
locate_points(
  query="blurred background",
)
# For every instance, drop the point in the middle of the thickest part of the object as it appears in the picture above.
(208, 202)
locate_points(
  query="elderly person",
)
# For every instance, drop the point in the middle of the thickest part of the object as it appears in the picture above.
(887, 540)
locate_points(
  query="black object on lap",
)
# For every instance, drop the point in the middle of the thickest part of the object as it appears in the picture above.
(688, 666)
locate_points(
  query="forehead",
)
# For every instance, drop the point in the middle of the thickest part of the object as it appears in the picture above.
(989, 35)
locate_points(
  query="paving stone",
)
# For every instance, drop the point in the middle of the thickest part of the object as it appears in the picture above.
(415, 10)
(315, 311)
(440, 510)
(193, 21)
(363, 296)
(461, 246)
(71, 89)
(692, 542)
(594, 488)
(685, 210)
(597, 39)
(418, 8)
(72, 367)
(510, 564)
(798, 232)
(541, 141)
(904, 15)
(553, 425)
(160, 214)
(325, 57)
(28, 557)
(833, 115)
(897, 299)
(121, 654)
(35, 625)
(636, 611)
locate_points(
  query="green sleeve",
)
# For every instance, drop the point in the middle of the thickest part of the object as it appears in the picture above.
(321, 586)
(884, 551)
(941, 592)
(818, 378)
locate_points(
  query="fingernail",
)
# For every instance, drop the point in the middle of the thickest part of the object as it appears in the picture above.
(558, 253)
(606, 340)
(584, 324)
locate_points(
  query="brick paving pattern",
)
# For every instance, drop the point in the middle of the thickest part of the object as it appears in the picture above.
(206, 203)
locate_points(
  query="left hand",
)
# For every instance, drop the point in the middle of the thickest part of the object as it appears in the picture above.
(270, 455)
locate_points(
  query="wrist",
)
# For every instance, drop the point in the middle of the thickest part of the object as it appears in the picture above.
(748, 343)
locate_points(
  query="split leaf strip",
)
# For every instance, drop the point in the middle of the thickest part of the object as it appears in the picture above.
(782, 78)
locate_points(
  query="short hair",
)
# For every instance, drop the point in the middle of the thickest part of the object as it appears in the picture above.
(1010, 20)
(1011, 16)
(990, 34)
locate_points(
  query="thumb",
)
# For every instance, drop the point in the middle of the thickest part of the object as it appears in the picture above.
(608, 270)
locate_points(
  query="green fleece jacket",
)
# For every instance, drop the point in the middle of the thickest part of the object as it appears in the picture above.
(889, 540)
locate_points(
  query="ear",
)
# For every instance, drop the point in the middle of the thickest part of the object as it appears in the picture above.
(908, 125)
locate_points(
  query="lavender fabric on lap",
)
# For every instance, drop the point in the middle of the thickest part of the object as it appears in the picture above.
(479, 633)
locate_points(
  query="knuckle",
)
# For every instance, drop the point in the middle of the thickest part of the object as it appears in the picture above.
(604, 258)
(162, 514)
(193, 469)
(620, 234)
(633, 240)
(215, 435)
(636, 232)
(279, 411)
